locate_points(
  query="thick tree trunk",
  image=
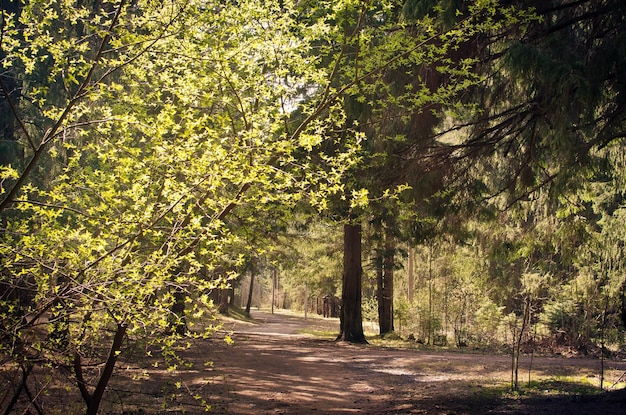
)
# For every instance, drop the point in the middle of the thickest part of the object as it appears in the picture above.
(388, 265)
(224, 296)
(222, 293)
(351, 327)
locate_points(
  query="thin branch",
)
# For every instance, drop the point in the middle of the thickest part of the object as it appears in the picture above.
(6, 93)
(219, 217)
(52, 132)
(58, 207)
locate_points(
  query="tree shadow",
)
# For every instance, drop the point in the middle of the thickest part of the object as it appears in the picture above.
(287, 374)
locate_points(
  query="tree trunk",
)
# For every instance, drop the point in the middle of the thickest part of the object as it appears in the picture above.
(384, 279)
(380, 288)
(386, 317)
(26, 367)
(430, 294)
(223, 300)
(351, 327)
(517, 346)
(306, 300)
(178, 323)
(273, 288)
(623, 310)
(93, 400)
(249, 302)
(411, 275)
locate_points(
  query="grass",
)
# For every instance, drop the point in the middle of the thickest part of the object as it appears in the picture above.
(556, 386)
(237, 313)
(322, 334)
(569, 387)
(561, 385)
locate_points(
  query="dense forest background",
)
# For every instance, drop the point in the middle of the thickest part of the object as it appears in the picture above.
(453, 170)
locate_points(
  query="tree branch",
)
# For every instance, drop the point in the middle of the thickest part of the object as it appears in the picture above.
(98, 393)
(7, 95)
(80, 379)
(52, 132)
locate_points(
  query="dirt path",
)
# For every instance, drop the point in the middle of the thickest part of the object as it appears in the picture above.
(273, 369)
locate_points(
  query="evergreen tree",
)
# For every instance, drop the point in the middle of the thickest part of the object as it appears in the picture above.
(554, 94)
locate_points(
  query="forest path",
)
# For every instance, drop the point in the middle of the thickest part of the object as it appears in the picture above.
(274, 369)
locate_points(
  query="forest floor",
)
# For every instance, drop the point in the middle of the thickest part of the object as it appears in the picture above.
(274, 367)
(282, 364)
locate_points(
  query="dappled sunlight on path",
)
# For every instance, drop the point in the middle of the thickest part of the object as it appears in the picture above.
(280, 370)
(272, 368)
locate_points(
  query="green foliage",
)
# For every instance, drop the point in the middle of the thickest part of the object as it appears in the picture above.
(316, 264)
(144, 126)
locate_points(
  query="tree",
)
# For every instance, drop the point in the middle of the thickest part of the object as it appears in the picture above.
(146, 127)
(381, 43)
(384, 261)
(351, 318)
(10, 87)
(551, 106)
(555, 95)
(399, 109)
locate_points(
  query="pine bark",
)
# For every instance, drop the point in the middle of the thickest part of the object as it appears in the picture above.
(351, 316)
(386, 319)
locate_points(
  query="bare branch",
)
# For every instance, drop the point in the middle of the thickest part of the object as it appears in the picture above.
(7, 95)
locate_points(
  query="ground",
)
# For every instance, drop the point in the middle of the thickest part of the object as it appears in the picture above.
(272, 368)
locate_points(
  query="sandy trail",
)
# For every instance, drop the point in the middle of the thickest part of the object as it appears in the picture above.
(274, 369)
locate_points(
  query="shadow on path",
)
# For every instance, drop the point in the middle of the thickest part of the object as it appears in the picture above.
(274, 369)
